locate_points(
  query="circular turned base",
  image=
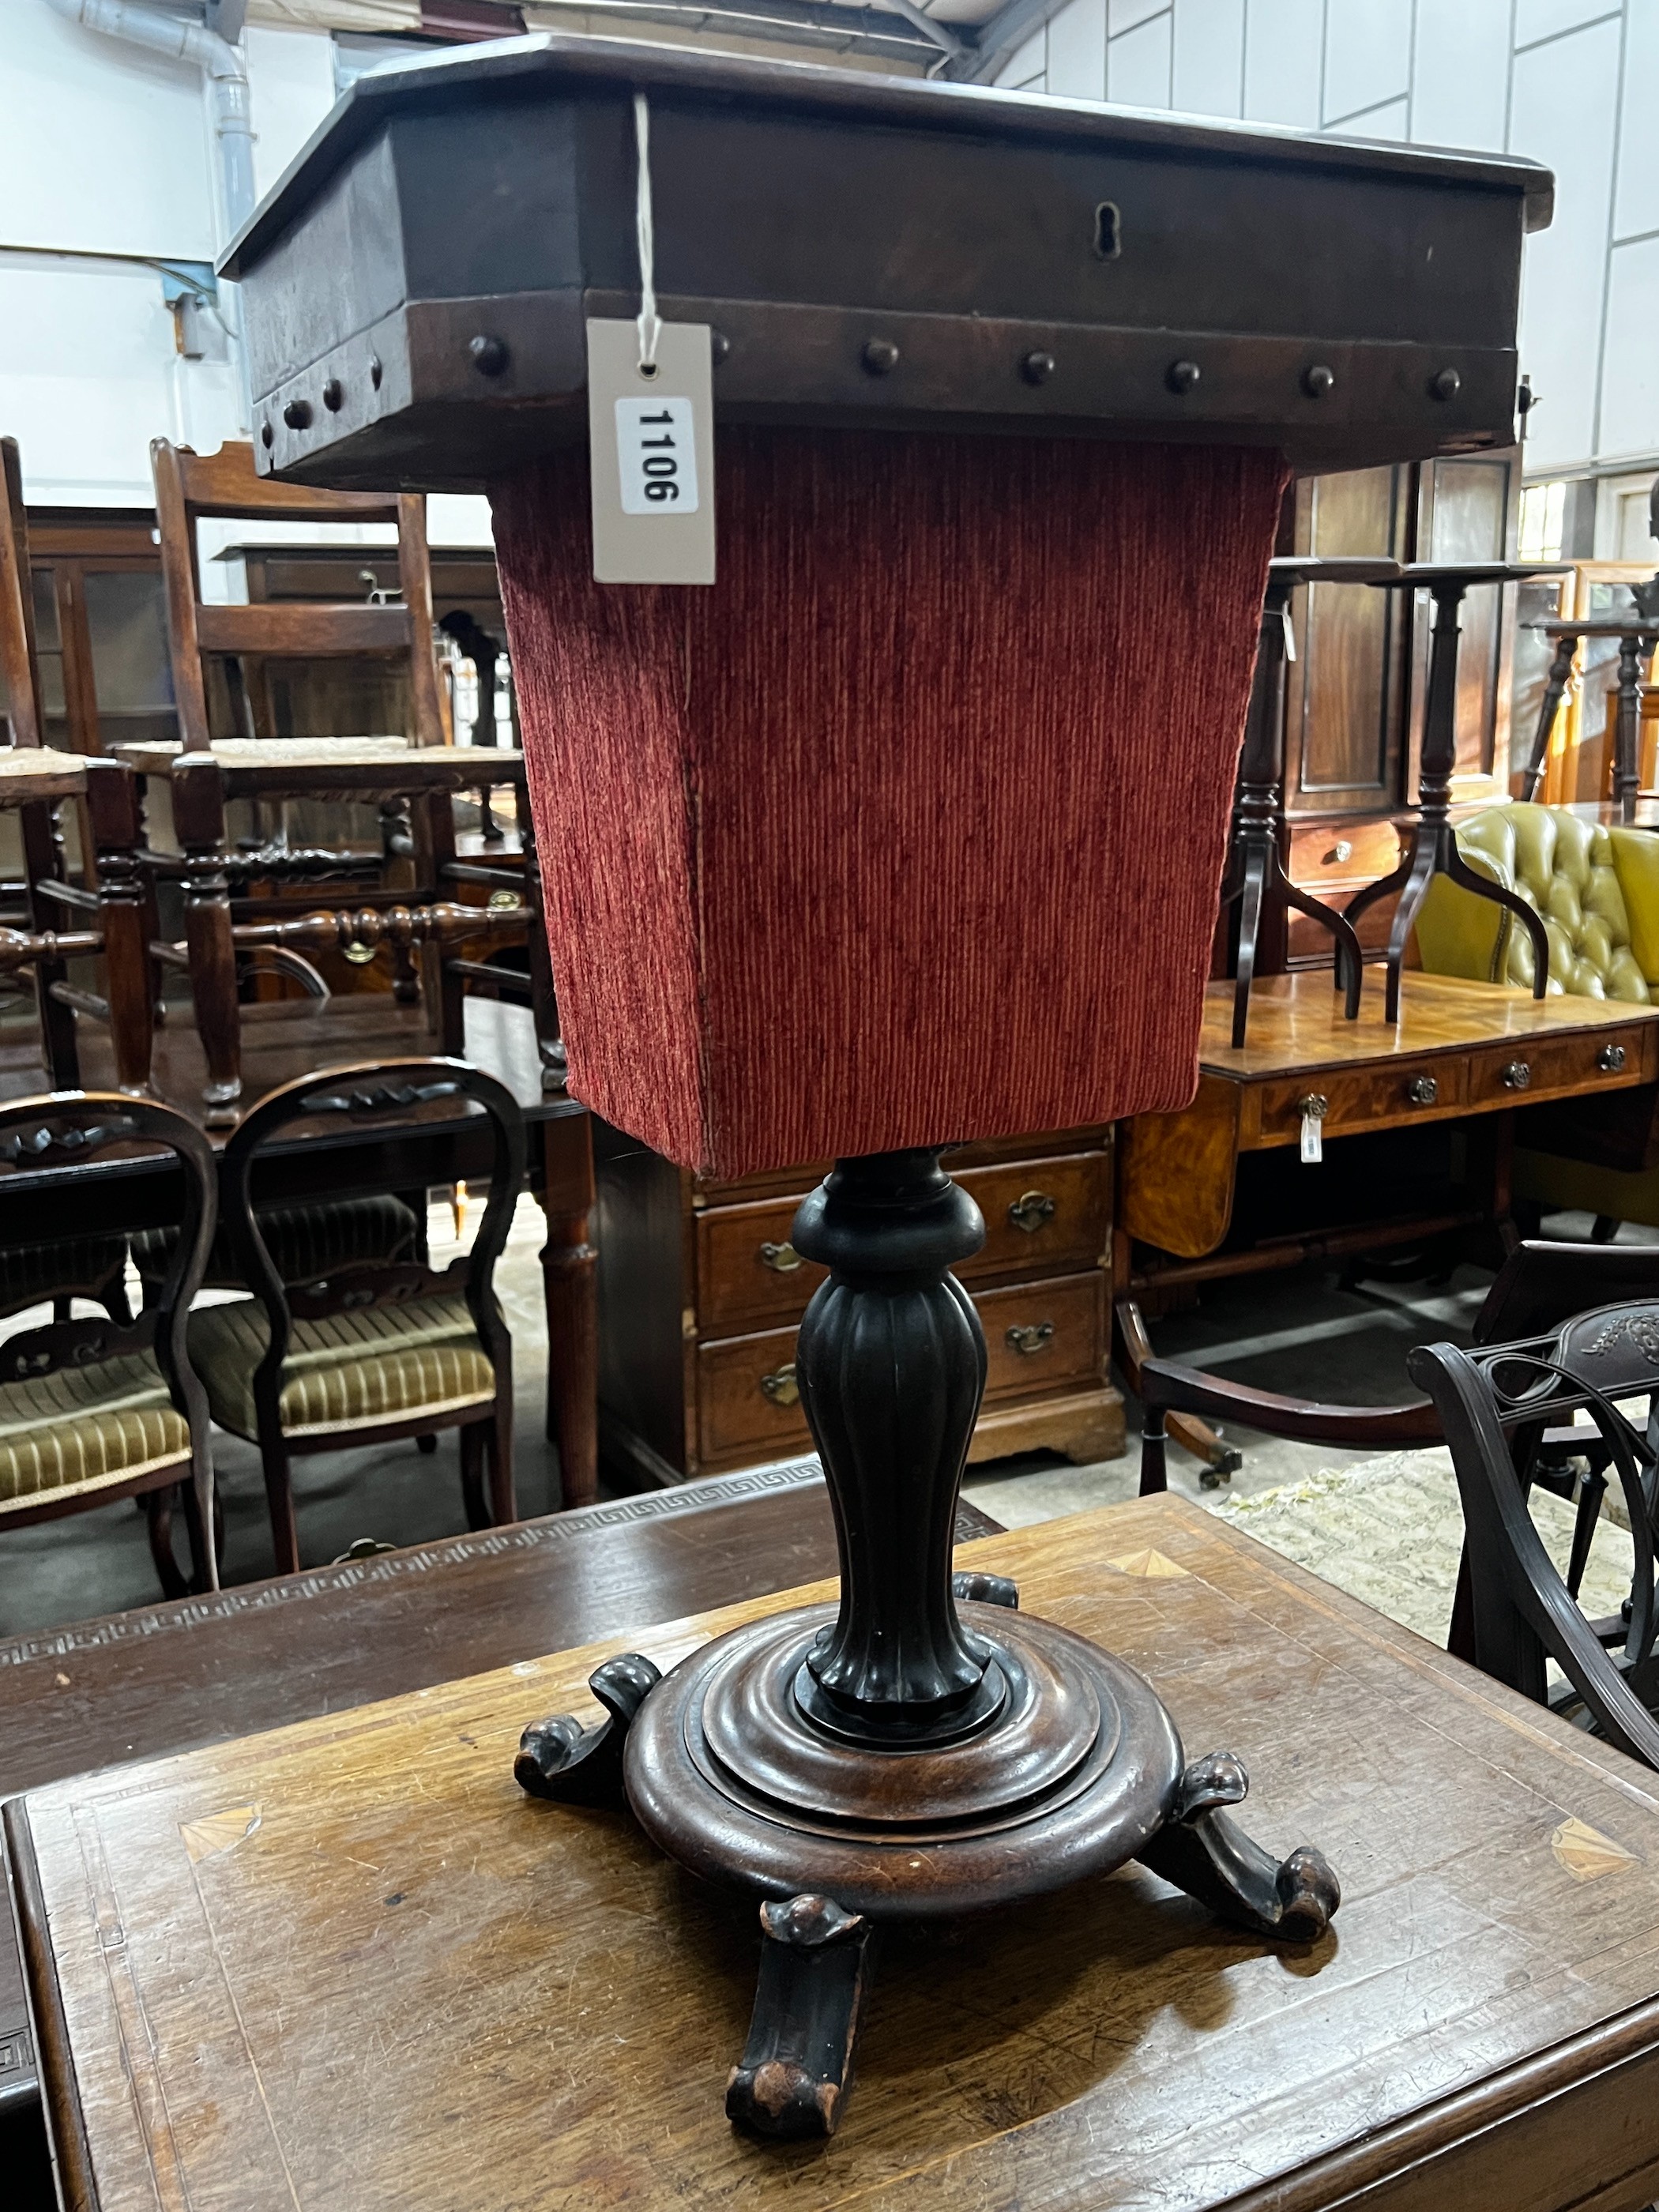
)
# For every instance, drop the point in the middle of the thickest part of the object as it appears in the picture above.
(1070, 1769)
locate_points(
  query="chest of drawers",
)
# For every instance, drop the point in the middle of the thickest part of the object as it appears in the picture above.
(701, 1293)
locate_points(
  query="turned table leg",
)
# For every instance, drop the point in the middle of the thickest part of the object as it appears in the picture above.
(572, 1296)
(198, 818)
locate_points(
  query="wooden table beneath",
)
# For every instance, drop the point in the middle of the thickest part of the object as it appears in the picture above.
(290, 1038)
(346, 1964)
(171, 1678)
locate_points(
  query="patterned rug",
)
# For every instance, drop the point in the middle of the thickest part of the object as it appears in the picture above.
(1389, 1531)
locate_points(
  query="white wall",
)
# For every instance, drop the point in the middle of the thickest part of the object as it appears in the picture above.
(1571, 83)
(108, 151)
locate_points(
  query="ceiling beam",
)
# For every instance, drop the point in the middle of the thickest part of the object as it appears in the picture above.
(998, 37)
(943, 34)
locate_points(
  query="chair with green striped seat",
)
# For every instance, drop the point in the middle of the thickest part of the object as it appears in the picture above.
(366, 1348)
(95, 1410)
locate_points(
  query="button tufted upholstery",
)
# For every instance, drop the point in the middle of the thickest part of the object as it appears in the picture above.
(1596, 888)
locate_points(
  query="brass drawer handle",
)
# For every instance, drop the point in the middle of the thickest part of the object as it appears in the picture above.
(1313, 1106)
(1518, 1076)
(781, 1387)
(1423, 1091)
(1036, 1336)
(781, 1258)
(1611, 1060)
(1031, 1211)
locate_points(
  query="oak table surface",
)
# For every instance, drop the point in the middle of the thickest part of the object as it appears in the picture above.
(346, 1965)
(172, 1677)
(1297, 1025)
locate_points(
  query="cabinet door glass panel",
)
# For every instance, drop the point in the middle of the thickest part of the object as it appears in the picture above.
(1471, 511)
(126, 616)
(48, 645)
(1342, 748)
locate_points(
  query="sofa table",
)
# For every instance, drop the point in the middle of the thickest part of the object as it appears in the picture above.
(348, 1964)
(1220, 1189)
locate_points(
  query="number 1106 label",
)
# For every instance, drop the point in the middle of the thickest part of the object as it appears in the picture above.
(657, 452)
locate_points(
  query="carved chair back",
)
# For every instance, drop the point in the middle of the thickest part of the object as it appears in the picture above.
(344, 1100)
(66, 1133)
(225, 486)
(1496, 1402)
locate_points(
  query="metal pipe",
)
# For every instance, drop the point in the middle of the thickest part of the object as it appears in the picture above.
(219, 62)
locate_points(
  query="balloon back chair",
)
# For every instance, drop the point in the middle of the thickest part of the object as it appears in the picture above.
(96, 1409)
(373, 1348)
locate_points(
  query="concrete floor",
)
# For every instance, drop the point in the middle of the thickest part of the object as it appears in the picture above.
(1300, 1333)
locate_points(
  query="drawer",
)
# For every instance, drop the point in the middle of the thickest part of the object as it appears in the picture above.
(746, 1396)
(1039, 1336)
(1385, 1094)
(1332, 858)
(1041, 1216)
(748, 1272)
(1544, 1067)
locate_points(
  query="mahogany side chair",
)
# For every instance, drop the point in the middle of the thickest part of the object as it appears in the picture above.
(96, 1409)
(370, 1349)
(1540, 1286)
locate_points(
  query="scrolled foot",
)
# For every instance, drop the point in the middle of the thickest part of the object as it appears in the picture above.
(570, 1765)
(791, 2078)
(1203, 1850)
(975, 1588)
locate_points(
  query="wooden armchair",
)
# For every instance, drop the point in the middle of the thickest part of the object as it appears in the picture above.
(37, 781)
(1495, 1404)
(370, 1348)
(94, 1410)
(239, 897)
(1539, 1287)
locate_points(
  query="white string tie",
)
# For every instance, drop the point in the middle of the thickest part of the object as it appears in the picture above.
(650, 322)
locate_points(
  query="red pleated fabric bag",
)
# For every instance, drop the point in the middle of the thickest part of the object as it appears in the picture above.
(909, 829)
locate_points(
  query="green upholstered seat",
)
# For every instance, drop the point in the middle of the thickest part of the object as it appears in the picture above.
(1595, 887)
(388, 1363)
(303, 1241)
(85, 1428)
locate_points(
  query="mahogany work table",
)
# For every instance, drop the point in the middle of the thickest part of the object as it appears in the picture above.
(348, 1964)
(1190, 1210)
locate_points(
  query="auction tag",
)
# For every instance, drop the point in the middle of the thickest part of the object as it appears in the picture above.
(651, 451)
(1313, 1140)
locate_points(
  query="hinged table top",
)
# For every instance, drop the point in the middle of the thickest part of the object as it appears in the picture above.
(1296, 1022)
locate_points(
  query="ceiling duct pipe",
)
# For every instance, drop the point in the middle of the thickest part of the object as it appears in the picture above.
(219, 62)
